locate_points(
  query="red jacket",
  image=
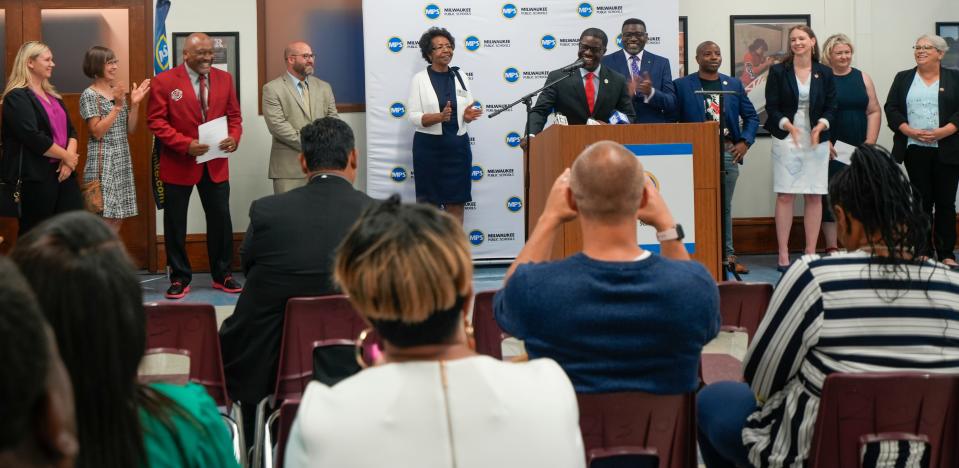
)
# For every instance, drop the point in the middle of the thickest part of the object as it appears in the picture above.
(173, 115)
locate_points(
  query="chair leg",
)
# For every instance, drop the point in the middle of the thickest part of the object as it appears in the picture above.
(268, 455)
(235, 437)
(236, 412)
(261, 410)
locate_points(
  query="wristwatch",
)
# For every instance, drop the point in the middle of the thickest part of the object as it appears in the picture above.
(674, 233)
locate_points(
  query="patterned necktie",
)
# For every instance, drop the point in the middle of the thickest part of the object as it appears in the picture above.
(590, 92)
(634, 65)
(203, 96)
(305, 93)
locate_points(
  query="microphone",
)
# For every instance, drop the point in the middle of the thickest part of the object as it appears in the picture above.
(573, 66)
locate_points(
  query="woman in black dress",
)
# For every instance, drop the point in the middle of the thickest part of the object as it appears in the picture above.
(440, 106)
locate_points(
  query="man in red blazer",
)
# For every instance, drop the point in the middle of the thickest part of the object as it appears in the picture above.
(180, 100)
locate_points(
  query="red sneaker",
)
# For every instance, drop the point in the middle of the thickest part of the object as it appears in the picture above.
(177, 290)
(229, 285)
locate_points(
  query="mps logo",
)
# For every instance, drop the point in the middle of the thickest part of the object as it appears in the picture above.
(619, 41)
(477, 105)
(511, 75)
(476, 173)
(397, 109)
(398, 174)
(513, 139)
(514, 204)
(548, 42)
(395, 44)
(472, 43)
(476, 237)
(585, 10)
(432, 11)
(509, 11)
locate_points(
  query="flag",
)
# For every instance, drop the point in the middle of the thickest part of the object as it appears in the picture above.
(161, 47)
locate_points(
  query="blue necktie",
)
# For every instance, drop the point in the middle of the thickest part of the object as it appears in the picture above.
(634, 65)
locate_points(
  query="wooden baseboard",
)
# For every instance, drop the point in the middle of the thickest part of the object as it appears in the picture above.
(196, 252)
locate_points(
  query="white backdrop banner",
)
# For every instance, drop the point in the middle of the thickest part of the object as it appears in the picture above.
(505, 50)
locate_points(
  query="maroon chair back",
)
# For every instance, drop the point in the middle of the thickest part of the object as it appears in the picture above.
(743, 305)
(489, 337)
(664, 423)
(287, 415)
(857, 405)
(191, 327)
(308, 320)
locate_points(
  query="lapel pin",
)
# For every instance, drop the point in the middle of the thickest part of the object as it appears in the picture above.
(176, 94)
(606, 81)
(942, 90)
(725, 82)
(816, 75)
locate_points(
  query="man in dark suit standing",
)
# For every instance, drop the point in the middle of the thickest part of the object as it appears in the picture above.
(651, 82)
(180, 100)
(737, 138)
(592, 92)
(287, 252)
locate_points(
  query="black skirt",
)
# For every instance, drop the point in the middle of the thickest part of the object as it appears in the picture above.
(441, 167)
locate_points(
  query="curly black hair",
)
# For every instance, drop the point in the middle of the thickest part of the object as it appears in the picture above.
(426, 41)
(876, 192)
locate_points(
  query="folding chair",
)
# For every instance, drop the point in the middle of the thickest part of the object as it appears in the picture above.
(306, 321)
(642, 422)
(902, 406)
(489, 337)
(192, 327)
(742, 307)
(285, 415)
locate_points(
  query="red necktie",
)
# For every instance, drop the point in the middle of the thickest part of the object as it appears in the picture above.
(203, 104)
(590, 92)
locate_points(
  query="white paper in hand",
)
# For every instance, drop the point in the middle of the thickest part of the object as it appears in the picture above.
(211, 134)
(844, 152)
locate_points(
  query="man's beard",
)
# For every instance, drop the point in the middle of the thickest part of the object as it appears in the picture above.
(304, 70)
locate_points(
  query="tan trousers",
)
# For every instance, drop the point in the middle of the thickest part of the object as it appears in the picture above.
(285, 185)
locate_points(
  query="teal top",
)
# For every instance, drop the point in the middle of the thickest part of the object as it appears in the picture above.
(202, 442)
(922, 108)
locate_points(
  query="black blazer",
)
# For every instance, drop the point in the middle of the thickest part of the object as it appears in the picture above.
(26, 125)
(568, 97)
(782, 97)
(896, 112)
(288, 251)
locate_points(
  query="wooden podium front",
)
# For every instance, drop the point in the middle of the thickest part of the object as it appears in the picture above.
(555, 149)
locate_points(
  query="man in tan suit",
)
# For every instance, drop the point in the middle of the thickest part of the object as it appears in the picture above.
(290, 102)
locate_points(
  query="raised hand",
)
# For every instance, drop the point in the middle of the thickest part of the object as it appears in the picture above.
(645, 85)
(447, 112)
(472, 113)
(119, 94)
(139, 92)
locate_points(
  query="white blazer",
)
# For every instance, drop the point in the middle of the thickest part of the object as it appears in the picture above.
(423, 101)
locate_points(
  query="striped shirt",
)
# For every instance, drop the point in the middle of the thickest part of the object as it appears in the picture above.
(842, 314)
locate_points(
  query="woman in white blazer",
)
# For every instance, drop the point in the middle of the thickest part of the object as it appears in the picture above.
(432, 402)
(440, 106)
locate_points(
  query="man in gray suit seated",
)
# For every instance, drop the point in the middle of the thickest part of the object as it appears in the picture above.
(291, 101)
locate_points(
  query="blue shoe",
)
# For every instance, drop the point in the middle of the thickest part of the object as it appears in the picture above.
(782, 268)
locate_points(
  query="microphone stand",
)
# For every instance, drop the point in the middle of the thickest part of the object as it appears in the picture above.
(727, 266)
(528, 101)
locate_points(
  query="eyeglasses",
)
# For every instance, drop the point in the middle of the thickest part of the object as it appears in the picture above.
(305, 56)
(585, 47)
(638, 35)
(927, 48)
(443, 46)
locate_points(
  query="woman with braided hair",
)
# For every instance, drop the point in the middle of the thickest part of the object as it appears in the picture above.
(843, 313)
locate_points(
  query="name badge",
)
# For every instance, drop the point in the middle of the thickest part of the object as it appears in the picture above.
(461, 93)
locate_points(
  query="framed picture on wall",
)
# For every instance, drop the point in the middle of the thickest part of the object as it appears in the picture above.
(683, 46)
(950, 32)
(758, 42)
(226, 53)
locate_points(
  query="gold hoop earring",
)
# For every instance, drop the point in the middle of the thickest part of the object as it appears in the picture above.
(360, 341)
(470, 337)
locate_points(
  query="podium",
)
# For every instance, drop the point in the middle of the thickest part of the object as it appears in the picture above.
(555, 149)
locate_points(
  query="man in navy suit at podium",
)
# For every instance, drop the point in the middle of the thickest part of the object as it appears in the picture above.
(651, 82)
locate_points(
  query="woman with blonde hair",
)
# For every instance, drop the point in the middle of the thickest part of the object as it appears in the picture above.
(39, 142)
(432, 402)
(110, 118)
(858, 116)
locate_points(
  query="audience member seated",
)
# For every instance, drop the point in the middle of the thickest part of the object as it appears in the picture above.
(432, 401)
(89, 292)
(37, 423)
(288, 252)
(879, 306)
(616, 317)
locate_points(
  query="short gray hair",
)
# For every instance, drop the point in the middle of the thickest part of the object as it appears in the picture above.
(937, 41)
